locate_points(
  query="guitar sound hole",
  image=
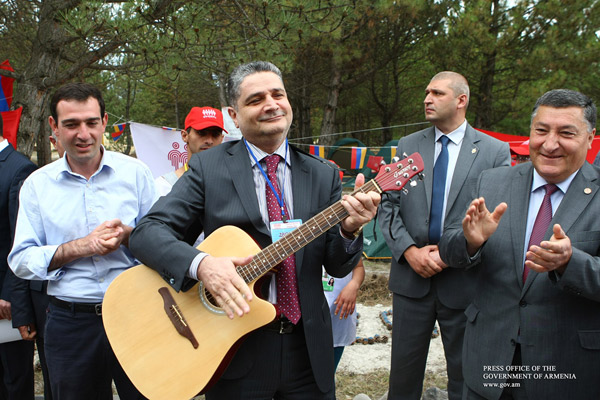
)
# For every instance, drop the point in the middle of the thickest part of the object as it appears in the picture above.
(211, 299)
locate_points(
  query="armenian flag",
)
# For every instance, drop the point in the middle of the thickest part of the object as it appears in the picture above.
(358, 155)
(118, 130)
(316, 150)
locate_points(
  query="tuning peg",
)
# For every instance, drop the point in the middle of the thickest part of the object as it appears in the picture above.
(395, 159)
(413, 183)
(421, 176)
(404, 190)
(404, 155)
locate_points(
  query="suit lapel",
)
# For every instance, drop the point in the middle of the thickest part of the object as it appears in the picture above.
(427, 151)
(466, 156)
(301, 189)
(240, 170)
(581, 191)
(518, 206)
(6, 152)
(571, 207)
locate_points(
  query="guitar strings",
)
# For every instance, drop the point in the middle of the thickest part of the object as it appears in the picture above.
(252, 271)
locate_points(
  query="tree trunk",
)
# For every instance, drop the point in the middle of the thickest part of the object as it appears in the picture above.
(303, 110)
(223, 91)
(130, 100)
(328, 126)
(32, 92)
(484, 110)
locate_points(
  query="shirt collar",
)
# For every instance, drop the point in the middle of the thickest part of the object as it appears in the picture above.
(106, 161)
(538, 182)
(259, 154)
(3, 144)
(456, 136)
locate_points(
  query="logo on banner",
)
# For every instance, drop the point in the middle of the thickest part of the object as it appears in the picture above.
(177, 158)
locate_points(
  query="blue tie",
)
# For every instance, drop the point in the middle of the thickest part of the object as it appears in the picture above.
(440, 171)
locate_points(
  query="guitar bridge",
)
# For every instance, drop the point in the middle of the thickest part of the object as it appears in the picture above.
(176, 316)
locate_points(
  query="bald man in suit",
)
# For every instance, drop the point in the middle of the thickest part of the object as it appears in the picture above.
(426, 289)
(533, 329)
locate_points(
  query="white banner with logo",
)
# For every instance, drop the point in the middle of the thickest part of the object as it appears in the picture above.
(162, 149)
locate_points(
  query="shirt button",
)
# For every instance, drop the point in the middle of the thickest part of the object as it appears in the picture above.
(172, 281)
(101, 280)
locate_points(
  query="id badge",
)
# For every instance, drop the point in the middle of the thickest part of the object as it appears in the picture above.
(327, 281)
(279, 228)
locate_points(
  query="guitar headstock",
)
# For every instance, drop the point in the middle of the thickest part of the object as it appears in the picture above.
(396, 175)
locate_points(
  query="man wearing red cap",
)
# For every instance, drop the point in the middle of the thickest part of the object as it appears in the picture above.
(203, 130)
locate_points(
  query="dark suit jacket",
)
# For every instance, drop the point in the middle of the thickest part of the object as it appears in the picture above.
(409, 214)
(14, 168)
(219, 190)
(558, 317)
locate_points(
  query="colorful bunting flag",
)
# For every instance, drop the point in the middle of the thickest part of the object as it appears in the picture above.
(358, 157)
(393, 151)
(6, 88)
(118, 130)
(166, 128)
(316, 150)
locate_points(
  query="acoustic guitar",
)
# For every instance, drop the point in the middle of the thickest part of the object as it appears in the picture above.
(174, 345)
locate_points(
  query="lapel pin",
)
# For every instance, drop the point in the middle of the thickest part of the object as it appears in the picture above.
(587, 190)
(473, 150)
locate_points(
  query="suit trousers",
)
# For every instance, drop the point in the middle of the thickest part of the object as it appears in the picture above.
(513, 390)
(16, 370)
(40, 299)
(413, 322)
(278, 367)
(80, 360)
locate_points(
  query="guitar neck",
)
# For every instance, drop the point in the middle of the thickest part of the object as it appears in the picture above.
(390, 177)
(278, 251)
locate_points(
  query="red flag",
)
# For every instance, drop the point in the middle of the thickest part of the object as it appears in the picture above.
(6, 88)
(375, 163)
(11, 121)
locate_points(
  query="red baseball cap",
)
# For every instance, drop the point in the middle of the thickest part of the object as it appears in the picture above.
(204, 117)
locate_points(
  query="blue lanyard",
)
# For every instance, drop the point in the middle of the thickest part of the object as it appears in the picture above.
(279, 199)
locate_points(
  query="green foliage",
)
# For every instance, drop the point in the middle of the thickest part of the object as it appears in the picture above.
(156, 60)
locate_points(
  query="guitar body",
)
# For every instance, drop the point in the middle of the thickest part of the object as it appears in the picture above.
(160, 362)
